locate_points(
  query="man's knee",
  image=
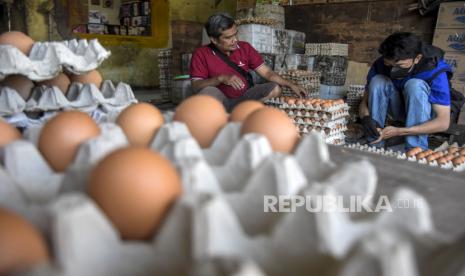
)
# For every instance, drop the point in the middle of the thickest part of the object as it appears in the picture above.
(276, 92)
(377, 82)
(416, 89)
(214, 92)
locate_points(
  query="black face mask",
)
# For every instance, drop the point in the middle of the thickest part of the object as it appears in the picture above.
(400, 73)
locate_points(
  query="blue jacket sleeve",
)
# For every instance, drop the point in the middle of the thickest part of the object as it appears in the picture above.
(440, 91)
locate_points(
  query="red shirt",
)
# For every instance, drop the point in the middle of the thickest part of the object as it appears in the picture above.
(205, 64)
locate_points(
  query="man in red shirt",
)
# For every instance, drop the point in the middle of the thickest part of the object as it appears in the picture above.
(211, 75)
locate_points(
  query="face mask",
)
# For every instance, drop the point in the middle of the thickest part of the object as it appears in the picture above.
(400, 73)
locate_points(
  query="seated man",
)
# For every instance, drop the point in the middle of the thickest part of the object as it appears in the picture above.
(212, 75)
(410, 83)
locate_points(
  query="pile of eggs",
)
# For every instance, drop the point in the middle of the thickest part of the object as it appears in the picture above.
(453, 155)
(451, 158)
(133, 186)
(328, 117)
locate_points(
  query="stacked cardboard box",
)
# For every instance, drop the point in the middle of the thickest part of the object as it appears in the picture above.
(450, 36)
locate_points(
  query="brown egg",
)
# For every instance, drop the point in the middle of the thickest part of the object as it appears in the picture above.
(453, 150)
(462, 151)
(290, 101)
(204, 116)
(8, 133)
(414, 151)
(442, 161)
(275, 126)
(21, 84)
(458, 161)
(140, 122)
(135, 188)
(19, 40)
(61, 137)
(244, 109)
(61, 81)
(22, 247)
(91, 77)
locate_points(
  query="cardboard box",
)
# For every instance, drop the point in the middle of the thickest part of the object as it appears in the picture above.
(457, 62)
(450, 40)
(451, 15)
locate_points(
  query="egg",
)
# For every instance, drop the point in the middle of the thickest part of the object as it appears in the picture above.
(244, 109)
(135, 188)
(61, 137)
(453, 150)
(140, 122)
(92, 77)
(275, 126)
(204, 116)
(19, 40)
(21, 84)
(462, 151)
(8, 133)
(61, 81)
(22, 247)
(414, 151)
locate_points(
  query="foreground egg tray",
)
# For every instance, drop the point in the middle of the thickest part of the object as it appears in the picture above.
(220, 216)
(444, 149)
(47, 59)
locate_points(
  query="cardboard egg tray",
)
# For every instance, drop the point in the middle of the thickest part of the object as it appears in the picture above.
(333, 69)
(220, 217)
(338, 123)
(354, 98)
(452, 163)
(309, 80)
(79, 96)
(258, 20)
(327, 49)
(328, 116)
(325, 131)
(165, 62)
(47, 59)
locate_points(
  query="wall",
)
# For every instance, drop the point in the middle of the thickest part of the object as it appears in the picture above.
(363, 25)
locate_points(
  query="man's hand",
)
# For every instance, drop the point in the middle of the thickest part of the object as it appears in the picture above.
(299, 91)
(370, 127)
(388, 132)
(232, 80)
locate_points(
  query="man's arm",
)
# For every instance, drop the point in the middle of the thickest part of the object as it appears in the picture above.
(232, 80)
(265, 72)
(439, 124)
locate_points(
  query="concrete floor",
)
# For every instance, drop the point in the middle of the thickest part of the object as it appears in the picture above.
(158, 97)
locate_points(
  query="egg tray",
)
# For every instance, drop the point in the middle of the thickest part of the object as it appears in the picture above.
(220, 215)
(86, 97)
(326, 131)
(335, 109)
(258, 20)
(327, 116)
(321, 123)
(449, 165)
(47, 59)
(327, 49)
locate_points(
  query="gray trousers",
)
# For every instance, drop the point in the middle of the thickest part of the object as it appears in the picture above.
(257, 92)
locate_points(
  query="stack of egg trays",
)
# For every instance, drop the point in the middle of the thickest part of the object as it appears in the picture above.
(165, 63)
(105, 102)
(220, 215)
(333, 69)
(354, 98)
(48, 59)
(444, 149)
(327, 49)
(309, 80)
(330, 122)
